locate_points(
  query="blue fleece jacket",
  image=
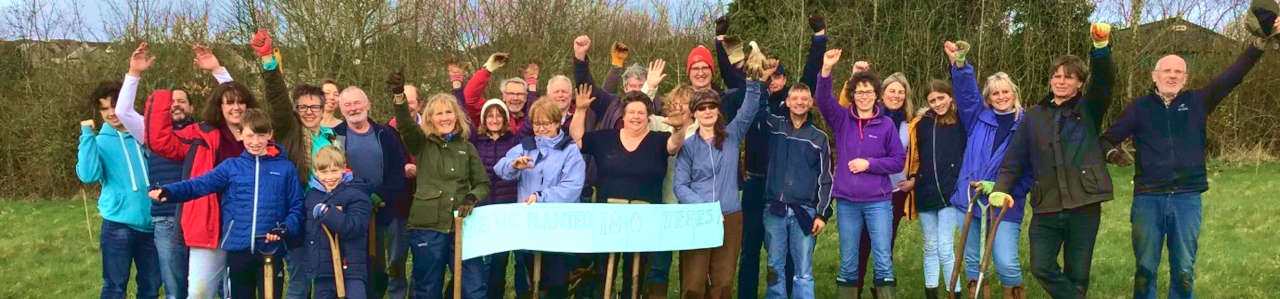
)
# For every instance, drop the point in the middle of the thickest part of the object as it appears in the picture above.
(706, 174)
(982, 152)
(258, 194)
(874, 139)
(558, 170)
(114, 160)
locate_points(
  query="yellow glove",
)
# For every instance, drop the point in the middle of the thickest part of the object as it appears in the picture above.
(1000, 199)
(1101, 34)
(496, 61)
(618, 53)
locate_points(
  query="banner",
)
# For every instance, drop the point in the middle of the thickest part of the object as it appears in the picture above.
(591, 228)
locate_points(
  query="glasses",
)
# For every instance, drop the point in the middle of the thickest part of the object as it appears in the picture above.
(541, 124)
(705, 107)
(864, 93)
(700, 69)
(312, 108)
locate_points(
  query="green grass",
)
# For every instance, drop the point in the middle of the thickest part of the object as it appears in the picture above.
(45, 251)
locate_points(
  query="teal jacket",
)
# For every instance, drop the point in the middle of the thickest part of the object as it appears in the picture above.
(114, 160)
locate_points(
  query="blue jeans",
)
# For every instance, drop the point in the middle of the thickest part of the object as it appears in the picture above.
(298, 266)
(877, 218)
(1004, 252)
(784, 237)
(432, 255)
(939, 258)
(207, 273)
(172, 253)
(123, 248)
(1157, 219)
(659, 267)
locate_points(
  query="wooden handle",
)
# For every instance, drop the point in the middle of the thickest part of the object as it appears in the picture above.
(457, 257)
(336, 255)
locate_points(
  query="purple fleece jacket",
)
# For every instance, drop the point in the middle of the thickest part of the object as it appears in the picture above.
(874, 139)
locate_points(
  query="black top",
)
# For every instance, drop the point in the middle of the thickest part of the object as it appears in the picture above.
(1005, 125)
(628, 175)
(941, 149)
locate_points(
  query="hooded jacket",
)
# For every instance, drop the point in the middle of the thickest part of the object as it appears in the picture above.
(800, 170)
(706, 174)
(160, 169)
(558, 172)
(1059, 145)
(874, 139)
(197, 146)
(490, 151)
(449, 169)
(348, 217)
(258, 195)
(1171, 138)
(982, 153)
(114, 160)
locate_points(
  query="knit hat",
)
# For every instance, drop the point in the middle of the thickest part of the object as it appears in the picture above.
(699, 54)
(733, 49)
(490, 103)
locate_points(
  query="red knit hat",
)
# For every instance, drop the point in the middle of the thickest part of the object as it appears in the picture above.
(699, 54)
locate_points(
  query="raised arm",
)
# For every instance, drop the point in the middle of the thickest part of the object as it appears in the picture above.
(1102, 77)
(817, 46)
(577, 126)
(280, 107)
(1231, 77)
(737, 128)
(832, 112)
(139, 62)
(413, 137)
(474, 92)
(964, 82)
(88, 160)
(205, 184)
(161, 138)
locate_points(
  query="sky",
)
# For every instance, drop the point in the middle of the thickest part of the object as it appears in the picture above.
(1213, 14)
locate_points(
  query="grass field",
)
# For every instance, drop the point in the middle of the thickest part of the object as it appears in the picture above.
(45, 251)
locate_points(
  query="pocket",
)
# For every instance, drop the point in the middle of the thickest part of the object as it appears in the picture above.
(425, 208)
(1095, 179)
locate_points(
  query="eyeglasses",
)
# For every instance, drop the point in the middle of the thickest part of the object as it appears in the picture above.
(700, 69)
(864, 93)
(544, 124)
(312, 108)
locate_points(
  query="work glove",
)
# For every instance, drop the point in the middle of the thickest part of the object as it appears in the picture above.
(468, 204)
(984, 187)
(496, 61)
(1119, 156)
(1101, 34)
(318, 210)
(1000, 199)
(395, 82)
(733, 49)
(754, 67)
(962, 50)
(817, 23)
(1261, 18)
(722, 26)
(376, 200)
(261, 42)
(618, 54)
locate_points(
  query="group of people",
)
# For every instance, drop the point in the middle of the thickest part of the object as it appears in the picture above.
(304, 186)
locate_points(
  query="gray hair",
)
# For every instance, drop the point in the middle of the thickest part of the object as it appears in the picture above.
(635, 71)
(517, 80)
(559, 78)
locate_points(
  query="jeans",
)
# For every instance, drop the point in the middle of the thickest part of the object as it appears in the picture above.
(325, 288)
(123, 247)
(1004, 251)
(939, 228)
(298, 265)
(1157, 219)
(395, 238)
(877, 218)
(432, 255)
(248, 274)
(207, 272)
(899, 202)
(172, 254)
(1070, 232)
(786, 238)
(659, 267)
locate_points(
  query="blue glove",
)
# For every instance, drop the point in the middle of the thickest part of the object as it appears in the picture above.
(319, 210)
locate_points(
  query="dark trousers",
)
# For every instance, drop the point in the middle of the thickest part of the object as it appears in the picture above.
(1073, 233)
(753, 204)
(247, 274)
(497, 280)
(864, 252)
(553, 274)
(326, 288)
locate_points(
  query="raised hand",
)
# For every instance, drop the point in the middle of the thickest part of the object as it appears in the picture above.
(395, 82)
(722, 26)
(261, 42)
(580, 46)
(522, 163)
(829, 60)
(496, 61)
(583, 97)
(139, 61)
(861, 66)
(1100, 33)
(531, 76)
(87, 123)
(818, 24)
(656, 74)
(205, 59)
(678, 121)
(754, 67)
(618, 53)
(770, 67)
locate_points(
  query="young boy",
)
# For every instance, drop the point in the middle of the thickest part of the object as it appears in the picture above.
(339, 205)
(261, 204)
(113, 159)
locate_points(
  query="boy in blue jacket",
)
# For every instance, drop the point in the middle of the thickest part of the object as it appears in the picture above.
(261, 204)
(339, 205)
(113, 159)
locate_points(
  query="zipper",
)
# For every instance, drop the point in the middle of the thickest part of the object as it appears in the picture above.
(1168, 124)
(934, 145)
(253, 224)
(228, 234)
(133, 180)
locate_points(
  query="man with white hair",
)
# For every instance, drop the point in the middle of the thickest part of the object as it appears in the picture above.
(376, 155)
(1168, 126)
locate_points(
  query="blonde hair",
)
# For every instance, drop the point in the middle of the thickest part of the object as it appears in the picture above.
(549, 110)
(1002, 78)
(462, 125)
(328, 157)
(908, 108)
(682, 92)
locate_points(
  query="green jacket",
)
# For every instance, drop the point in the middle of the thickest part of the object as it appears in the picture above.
(447, 172)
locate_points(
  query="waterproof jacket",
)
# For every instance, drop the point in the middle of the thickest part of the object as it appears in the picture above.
(197, 146)
(114, 160)
(934, 159)
(800, 169)
(706, 174)
(392, 189)
(558, 172)
(982, 153)
(1059, 145)
(348, 217)
(448, 170)
(258, 195)
(874, 139)
(1171, 138)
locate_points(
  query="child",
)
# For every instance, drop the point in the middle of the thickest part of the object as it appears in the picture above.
(113, 158)
(261, 203)
(341, 205)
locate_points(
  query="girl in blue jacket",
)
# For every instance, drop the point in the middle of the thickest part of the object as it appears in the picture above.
(261, 204)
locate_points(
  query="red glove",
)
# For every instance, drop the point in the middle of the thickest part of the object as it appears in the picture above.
(261, 42)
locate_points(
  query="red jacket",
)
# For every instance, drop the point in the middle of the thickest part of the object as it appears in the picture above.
(197, 147)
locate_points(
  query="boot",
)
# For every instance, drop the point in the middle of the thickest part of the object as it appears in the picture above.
(1016, 292)
(849, 292)
(656, 290)
(874, 293)
(885, 292)
(932, 293)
